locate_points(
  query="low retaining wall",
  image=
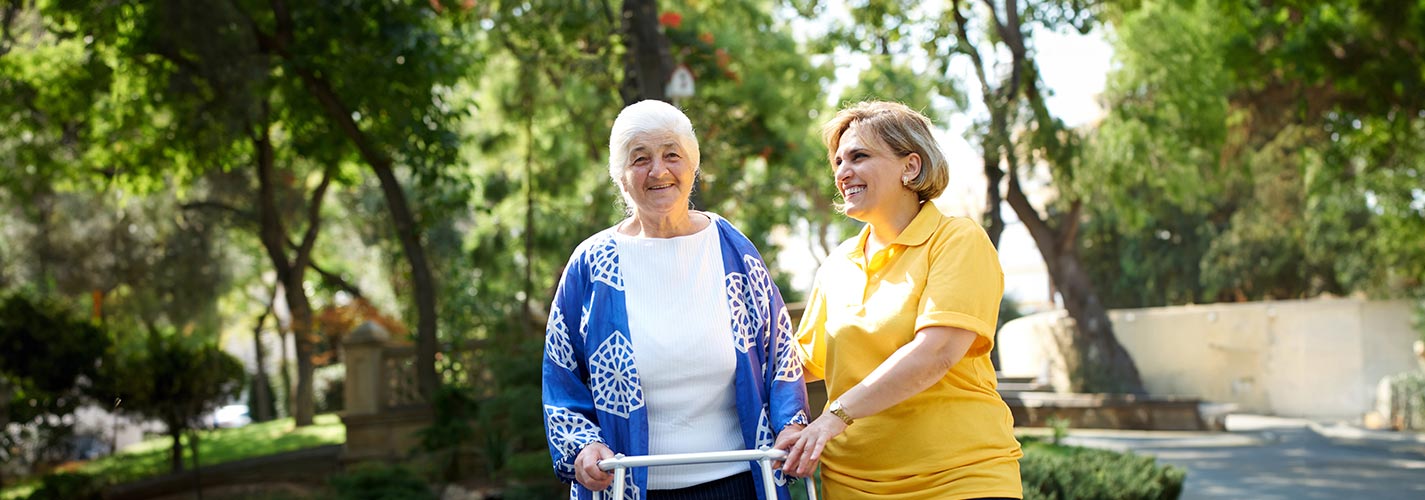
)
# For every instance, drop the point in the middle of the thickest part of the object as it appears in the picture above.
(292, 471)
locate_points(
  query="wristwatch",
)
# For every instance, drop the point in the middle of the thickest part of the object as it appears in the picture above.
(836, 409)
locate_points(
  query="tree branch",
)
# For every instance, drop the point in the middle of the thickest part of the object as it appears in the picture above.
(1012, 35)
(244, 215)
(7, 38)
(314, 221)
(1041, 231)
(335, 280)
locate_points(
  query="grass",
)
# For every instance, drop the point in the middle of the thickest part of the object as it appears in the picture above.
(151, 457)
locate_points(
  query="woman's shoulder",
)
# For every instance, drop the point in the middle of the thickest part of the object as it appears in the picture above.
(725, 228)
(595, 244)
(957, 226)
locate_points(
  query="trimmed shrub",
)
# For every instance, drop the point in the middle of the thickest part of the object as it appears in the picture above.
(1066, 472)
(68, 486)
(372, 481)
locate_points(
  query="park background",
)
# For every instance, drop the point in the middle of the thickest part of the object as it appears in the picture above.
(201, 202)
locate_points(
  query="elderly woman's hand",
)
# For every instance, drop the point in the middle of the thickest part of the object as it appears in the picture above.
(786, 439)
(806, 452)
(586, 467)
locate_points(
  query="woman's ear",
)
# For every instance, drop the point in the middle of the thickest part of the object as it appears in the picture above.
(912, 168)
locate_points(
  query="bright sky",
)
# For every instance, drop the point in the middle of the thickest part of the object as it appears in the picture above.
(1074, 68)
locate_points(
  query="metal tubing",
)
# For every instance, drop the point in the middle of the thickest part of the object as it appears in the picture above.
(769, 483)
(619, 476)
(764, 457)
(711, 457)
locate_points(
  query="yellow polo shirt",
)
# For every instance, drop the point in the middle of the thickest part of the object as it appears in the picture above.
(955, 439)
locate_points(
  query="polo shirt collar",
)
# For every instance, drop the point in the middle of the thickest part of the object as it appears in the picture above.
(915, 234)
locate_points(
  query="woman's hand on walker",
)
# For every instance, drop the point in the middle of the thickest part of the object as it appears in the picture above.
(786, 439)
(586, 467)
(806, 451)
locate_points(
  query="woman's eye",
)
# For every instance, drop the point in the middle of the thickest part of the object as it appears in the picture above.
(672, 156)
(641, 160)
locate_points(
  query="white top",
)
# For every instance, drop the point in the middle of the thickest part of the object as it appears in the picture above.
(680, 326)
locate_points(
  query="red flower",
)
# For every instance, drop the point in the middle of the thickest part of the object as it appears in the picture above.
(706, 38)
(671, 19)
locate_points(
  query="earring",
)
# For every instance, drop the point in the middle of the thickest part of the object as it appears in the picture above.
(905, 182)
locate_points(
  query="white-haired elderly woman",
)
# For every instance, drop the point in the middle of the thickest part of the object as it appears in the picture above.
(666, 334)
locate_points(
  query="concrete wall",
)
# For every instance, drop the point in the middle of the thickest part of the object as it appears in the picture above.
(1317, 358)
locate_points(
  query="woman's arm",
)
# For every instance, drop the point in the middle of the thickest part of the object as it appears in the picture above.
(910, 370)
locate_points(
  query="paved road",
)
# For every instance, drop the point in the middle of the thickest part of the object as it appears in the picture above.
(1267, 458)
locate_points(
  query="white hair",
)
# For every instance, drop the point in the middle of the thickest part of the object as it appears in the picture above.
(645, 117)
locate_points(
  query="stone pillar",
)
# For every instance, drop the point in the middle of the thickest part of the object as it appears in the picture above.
(362, 355)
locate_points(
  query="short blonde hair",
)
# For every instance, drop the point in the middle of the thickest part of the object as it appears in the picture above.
(903, 130)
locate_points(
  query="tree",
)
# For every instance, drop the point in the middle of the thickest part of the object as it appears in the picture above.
(173, 379)
(1020, 136)
(1302, 117)
(327, 57)
(48, 357)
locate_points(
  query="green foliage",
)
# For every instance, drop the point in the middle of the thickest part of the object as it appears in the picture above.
(1258, 150)
(329, 385)
(1407, 398)
(171, 378)
(373, 481)
(48, 357)
(452, 432)
(68, 486)
(1056, 472)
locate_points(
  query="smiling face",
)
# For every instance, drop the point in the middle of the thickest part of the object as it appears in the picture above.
(868, 176)
(659, 176)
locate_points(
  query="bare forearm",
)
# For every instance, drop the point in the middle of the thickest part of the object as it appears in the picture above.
(910, 370)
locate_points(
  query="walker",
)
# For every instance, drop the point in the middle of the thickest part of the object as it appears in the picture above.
(764, 457)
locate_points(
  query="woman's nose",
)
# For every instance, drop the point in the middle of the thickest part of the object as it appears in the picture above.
(842, 172)
(659, 167)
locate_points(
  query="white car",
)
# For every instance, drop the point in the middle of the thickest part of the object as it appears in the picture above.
(231, 416)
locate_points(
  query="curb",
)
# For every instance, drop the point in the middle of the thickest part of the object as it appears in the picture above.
(1340, 432)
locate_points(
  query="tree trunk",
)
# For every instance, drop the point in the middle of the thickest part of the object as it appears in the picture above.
(175, 455)
(286, 372)
(648, 60)
(197, 464)
(261, 389)
(1096, 361)
(1103, 364)
(302, 334)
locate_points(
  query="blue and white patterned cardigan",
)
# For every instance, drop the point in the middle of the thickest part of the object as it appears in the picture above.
(592, 390)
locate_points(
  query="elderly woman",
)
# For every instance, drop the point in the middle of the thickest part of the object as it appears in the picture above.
(900, 324)
(667, 334)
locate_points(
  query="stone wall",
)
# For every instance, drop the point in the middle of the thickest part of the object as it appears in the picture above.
(1317, 358)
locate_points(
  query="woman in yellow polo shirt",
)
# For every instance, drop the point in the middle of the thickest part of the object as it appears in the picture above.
(900, 324)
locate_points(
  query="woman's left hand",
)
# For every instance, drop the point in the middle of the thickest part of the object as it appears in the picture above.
(802, 458)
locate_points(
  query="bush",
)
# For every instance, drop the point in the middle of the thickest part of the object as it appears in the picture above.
(380, 482)
(1054, 472)
(329, 382)
(68, 486)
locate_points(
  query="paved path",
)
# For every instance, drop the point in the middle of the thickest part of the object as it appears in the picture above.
(1269, 458)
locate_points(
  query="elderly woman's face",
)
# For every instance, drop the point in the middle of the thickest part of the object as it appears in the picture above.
(659, 174)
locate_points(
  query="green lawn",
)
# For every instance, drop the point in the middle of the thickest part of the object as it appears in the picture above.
(150, 457)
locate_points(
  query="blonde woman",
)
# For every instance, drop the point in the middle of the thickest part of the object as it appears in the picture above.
(900, 324)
